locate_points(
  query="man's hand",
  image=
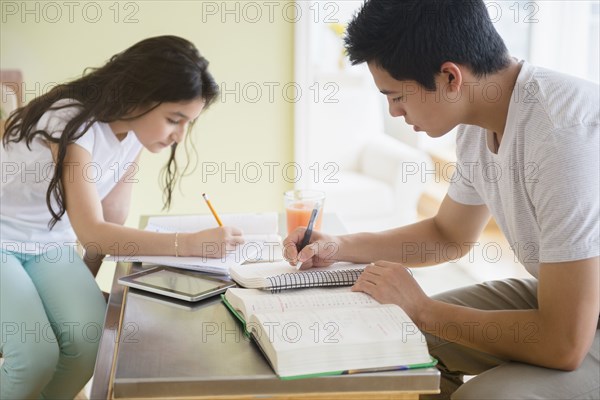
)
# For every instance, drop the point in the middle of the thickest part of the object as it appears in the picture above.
(320, 252)
(392, 283)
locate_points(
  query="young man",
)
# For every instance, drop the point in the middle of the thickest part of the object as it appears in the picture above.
(528, 155)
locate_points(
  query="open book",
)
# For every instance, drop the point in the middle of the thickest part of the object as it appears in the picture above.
(260, 232)
(313, 332)
(280, 275)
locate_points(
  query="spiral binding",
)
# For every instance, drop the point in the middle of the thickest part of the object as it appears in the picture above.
(313, 279)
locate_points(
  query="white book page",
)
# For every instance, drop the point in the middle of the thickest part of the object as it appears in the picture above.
(253, 301)
(262, 243)
(248, 252)
(342, 326)
(313, 341)
(250, 224)
(205, 264)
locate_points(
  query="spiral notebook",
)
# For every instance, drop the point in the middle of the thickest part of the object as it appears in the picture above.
(278, 276)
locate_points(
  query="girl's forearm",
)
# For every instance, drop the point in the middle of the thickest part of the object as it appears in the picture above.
(114, 239)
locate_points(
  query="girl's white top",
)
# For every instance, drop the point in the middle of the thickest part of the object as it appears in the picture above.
(26, 174)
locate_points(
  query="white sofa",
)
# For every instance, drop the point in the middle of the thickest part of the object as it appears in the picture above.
(381, 189)
(352, 133)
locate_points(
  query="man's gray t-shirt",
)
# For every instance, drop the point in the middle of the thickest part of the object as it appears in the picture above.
(543, 185)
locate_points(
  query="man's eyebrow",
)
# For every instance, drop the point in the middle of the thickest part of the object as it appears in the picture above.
(180, 114)
(388, 92)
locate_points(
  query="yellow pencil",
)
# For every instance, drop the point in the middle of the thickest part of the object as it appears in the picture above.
(212, 210)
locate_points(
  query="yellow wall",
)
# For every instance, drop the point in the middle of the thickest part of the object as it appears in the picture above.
(249, 47)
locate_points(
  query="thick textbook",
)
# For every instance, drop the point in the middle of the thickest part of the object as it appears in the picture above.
(276, 276)
(334, 331)
(260, 231)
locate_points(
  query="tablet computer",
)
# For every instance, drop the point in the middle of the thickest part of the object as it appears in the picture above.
(177, 283)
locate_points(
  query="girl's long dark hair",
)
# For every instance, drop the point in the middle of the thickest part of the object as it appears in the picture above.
(157, 70)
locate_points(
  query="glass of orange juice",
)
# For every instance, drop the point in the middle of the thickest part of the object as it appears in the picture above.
(299, 205)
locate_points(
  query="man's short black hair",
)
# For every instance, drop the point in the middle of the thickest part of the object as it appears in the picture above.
(411, 39)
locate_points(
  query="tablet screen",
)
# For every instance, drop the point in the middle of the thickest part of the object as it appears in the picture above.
(178, 282)
(186, 285)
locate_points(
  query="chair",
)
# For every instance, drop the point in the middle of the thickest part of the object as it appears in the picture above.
(13, 79)
(11, 98)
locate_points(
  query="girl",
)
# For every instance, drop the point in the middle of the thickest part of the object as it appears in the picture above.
(67, 161)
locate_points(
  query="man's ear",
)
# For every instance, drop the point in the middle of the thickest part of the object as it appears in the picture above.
(452, 76)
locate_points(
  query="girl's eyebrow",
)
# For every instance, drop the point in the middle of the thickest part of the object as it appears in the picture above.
(180, 114)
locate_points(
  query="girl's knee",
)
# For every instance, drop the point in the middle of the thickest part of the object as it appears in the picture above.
(79, 348)
(38, 360)
(29, 368)
(86, 359)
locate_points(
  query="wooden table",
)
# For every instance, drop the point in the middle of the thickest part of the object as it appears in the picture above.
(153, 347)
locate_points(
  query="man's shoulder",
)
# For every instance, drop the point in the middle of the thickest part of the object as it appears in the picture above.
(556, 101)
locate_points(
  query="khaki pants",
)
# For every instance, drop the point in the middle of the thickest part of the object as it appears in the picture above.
(501, 379)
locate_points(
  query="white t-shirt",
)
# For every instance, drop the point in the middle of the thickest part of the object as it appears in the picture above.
(543, 185)
(26, 174)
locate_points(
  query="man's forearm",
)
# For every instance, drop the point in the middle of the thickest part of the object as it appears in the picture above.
(419, 244)
(520, 335)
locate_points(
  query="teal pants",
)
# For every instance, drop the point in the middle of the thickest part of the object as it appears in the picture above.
(51, 315)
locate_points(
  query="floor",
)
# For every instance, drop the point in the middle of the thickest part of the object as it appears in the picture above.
(491, 259)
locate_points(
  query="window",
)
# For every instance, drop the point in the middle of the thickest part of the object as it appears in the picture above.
(560, 35)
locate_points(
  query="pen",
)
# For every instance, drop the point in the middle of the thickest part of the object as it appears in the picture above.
(308, 232)
(212, 210)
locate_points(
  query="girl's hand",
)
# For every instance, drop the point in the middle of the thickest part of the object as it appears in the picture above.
(215, 242)
(320, 252)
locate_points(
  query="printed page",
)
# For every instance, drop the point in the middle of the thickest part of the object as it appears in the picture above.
(250, 224)
(257, 301)
(204, 264)
(268, 248)
(248, 252)
(263, 244)
(342, 326)
(335, 339)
